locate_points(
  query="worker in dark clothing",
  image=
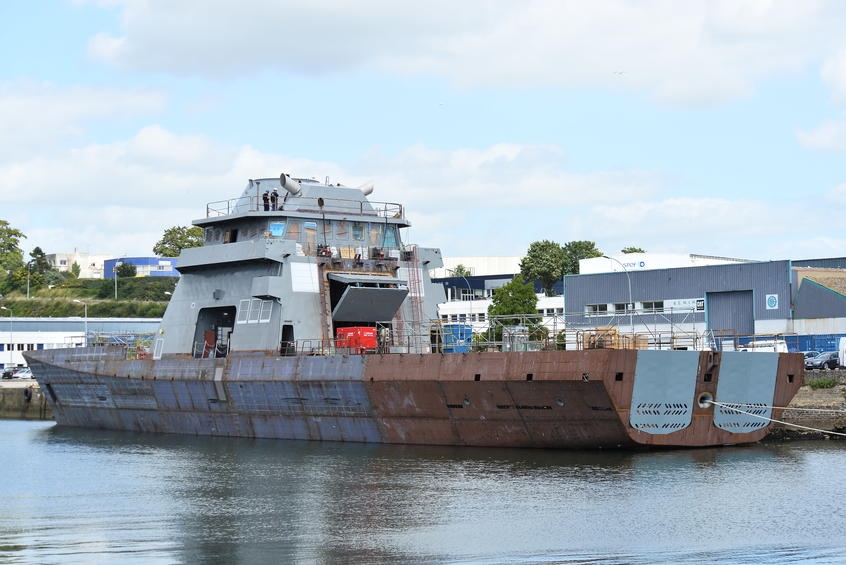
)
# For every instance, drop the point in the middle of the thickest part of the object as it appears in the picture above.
(265, 198)
(274, 198)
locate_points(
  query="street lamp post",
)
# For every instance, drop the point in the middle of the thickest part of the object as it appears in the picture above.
(114, 270)
(469, 289)
(630, 305)
(85, 305)
(11, 339)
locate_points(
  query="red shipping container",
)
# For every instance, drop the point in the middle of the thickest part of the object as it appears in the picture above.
(359, 337)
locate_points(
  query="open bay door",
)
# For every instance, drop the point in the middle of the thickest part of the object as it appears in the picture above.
(365, 298)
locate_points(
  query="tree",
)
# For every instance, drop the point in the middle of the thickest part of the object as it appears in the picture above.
(576, 250)
(38, 269)
(75, 270)
(39, 261)
(177, 238)
(11, 255)
(460, 271)
(512, 304)
(628, 250)
(126, 270)
(544, 262)
(516, 298)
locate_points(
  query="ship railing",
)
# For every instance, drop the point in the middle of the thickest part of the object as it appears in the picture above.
(327, 206)
(99, 352)
(114, 345)
(521, 333)
(203, 349)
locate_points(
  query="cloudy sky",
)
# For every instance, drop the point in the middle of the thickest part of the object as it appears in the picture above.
(710, 127)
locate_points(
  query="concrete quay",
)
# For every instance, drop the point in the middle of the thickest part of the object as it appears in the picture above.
(818, 409)
(22, 399)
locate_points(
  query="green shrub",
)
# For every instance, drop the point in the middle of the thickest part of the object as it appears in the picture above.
(825, 382)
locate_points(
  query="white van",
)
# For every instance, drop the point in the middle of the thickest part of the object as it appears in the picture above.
(841, 359)
(771, 345)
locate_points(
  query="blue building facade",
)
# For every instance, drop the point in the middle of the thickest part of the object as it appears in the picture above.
(145, 266)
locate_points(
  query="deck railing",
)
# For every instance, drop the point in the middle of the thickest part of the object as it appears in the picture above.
(310, 205)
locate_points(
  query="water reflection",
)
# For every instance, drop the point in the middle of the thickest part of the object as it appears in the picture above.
(119, 497)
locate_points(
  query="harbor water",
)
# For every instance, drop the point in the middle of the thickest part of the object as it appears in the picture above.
(86, 496)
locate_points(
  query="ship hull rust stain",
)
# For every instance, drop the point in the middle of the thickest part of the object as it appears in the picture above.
(546, 399)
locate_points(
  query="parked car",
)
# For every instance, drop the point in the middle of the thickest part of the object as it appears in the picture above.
(23, 373)
(828, 360)
(810, 354)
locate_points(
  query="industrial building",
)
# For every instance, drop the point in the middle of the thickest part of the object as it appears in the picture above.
(695, 300)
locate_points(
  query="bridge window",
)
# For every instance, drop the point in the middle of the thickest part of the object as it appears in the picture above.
(342, 230)
(277, 229)
(391, 236)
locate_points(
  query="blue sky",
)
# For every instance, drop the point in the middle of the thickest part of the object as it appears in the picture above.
(711, 127)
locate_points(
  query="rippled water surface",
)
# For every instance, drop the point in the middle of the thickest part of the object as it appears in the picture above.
(76, 496)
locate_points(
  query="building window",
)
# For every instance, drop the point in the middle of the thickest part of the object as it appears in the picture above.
(596, 310)
(656, 306)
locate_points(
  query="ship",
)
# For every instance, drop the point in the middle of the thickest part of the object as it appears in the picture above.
(306, 316)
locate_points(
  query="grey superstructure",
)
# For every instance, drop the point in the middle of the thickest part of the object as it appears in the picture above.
(325, 258)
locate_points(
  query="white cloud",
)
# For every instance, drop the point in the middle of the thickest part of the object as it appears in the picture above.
(837, 195)
(829, 135)
(684, 52)
(834, 74)
(119, 198)
(38, 115)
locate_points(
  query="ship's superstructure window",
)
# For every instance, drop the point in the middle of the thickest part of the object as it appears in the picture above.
(254, 310)
(358, 231)
(310, 234)
(376, 234)
(342, 230)
(391, 239)
(293, 230)
(277, 229)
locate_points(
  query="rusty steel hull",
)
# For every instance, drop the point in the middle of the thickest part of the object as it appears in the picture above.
(545, 399)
